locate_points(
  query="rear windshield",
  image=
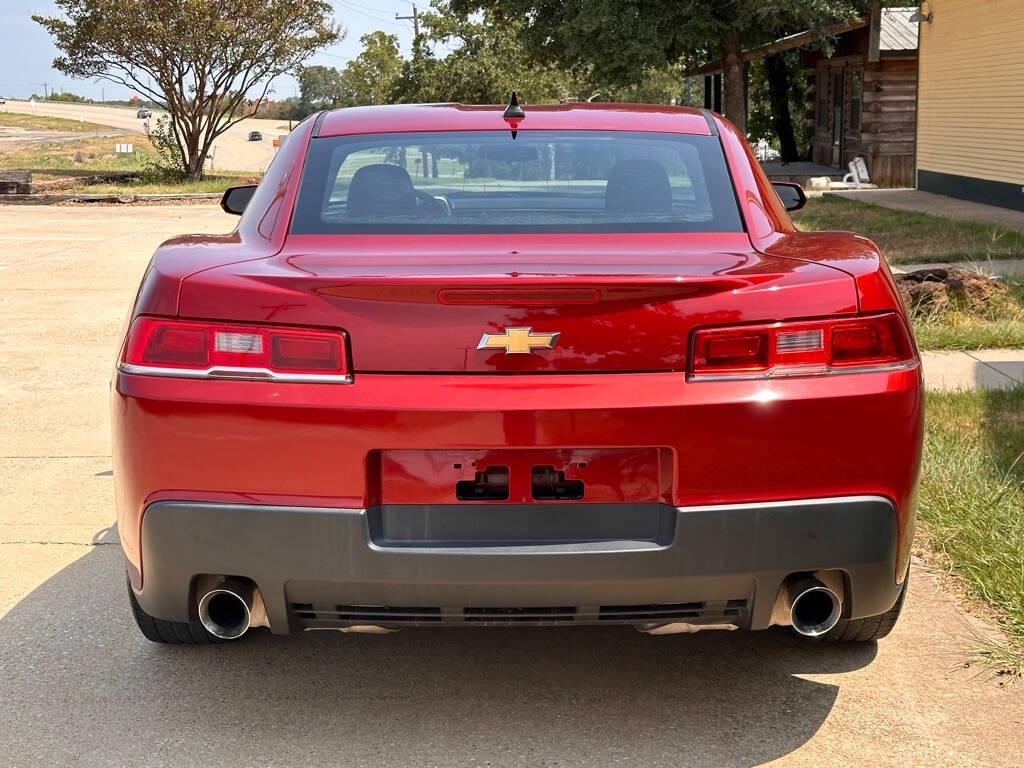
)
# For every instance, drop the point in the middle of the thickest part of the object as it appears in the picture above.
(541, 181)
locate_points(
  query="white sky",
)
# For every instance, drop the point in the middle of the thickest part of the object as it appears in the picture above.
(26, 50)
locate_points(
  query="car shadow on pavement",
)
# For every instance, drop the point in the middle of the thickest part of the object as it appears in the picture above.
(82, 687)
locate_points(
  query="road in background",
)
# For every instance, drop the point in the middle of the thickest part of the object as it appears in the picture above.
(79, 686)
(234, 152)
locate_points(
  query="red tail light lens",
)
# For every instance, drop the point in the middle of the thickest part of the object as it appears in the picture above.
(801, 348)
(217, 350)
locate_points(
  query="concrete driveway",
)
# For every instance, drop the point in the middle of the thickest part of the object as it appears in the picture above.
(234, 151)
(80, 687)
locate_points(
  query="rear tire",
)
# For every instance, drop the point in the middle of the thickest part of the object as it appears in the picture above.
(170, 632)
(870, 627)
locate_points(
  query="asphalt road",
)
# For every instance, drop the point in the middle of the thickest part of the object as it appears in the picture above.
(80, 687)
(234, 152)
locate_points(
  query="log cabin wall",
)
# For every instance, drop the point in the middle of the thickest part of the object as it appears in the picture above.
(878, 114)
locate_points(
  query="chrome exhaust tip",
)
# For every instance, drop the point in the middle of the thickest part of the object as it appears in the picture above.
(226, 609)
(814, 609)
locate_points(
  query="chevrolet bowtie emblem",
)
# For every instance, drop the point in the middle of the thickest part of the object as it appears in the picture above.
(517, 341)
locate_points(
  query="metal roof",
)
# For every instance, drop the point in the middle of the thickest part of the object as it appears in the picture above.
(897, 32)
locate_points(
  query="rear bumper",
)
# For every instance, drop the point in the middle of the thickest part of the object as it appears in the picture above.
(321, 446)
(320, 567)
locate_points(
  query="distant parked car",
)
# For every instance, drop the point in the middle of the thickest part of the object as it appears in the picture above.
(143, 113)
(3, 100)
(255, 136)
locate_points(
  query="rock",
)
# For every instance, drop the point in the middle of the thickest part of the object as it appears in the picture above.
(936, 289)
(973, 289)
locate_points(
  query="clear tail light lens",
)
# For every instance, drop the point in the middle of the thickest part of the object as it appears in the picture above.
(802, 348)
(164, 346)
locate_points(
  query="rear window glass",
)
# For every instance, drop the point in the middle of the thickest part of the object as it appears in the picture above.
(542, 181)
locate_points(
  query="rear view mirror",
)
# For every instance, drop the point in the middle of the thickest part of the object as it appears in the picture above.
(791, 195)
(235, 199)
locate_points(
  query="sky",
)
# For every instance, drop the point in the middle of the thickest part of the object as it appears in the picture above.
(26, 50)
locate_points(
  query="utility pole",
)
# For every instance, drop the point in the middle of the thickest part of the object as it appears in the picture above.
(415, 19)
(45, 94)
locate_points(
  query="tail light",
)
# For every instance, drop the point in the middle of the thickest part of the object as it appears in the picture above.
(168, 347)
(846, 345)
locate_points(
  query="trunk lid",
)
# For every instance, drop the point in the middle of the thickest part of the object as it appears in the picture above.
(593, 303)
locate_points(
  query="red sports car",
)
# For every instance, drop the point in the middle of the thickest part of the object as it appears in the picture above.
(460, 365)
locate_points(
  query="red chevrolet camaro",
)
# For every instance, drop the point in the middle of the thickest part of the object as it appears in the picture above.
(460, 365)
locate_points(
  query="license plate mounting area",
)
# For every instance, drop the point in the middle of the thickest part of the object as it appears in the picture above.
(523, 476)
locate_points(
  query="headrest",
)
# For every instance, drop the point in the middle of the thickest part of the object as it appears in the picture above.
(381, 189)
(638, 186)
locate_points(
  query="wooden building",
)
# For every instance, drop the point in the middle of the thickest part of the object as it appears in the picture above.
(970, 128)
(861, 100)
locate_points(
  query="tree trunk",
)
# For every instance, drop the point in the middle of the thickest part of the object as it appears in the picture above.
(778, 94)
(194, 163)
(192, 157)
(732, 80)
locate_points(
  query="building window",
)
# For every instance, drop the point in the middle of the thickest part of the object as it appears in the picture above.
(856, 86)
(823, 98)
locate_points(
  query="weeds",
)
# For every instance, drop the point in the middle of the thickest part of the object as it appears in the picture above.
(971, 503)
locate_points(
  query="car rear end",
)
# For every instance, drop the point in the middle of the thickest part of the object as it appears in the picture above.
(558, 379)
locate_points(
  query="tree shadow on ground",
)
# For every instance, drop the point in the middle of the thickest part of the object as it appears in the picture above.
(82, 687)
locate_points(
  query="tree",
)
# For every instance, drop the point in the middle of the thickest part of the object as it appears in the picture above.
(209, 63)
(777, 102)
(618, 41)
(371, 77)
(782, 121)
(319, 88)
(487, 60)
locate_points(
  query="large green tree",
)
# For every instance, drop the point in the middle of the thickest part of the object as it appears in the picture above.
(372, 76)
(319, 88)
(618, 40)
(485, 60)
(209, 63)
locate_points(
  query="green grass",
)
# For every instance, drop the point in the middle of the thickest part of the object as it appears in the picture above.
(209, 184)
(41, 122)
(908, 237)
(999, 324)
(80, 157)
(71, 166)
(971, 502)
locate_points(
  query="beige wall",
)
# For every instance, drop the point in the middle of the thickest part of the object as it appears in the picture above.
(971, 90)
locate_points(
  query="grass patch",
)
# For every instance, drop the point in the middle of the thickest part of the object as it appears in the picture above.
(909, 237)
(70, 167)
(971, 502)
(999, 324)
(209, 184)
(83, 156)
(43, 123)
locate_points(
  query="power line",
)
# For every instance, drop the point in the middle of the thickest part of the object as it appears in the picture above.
(368, 15)
(359, 5)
